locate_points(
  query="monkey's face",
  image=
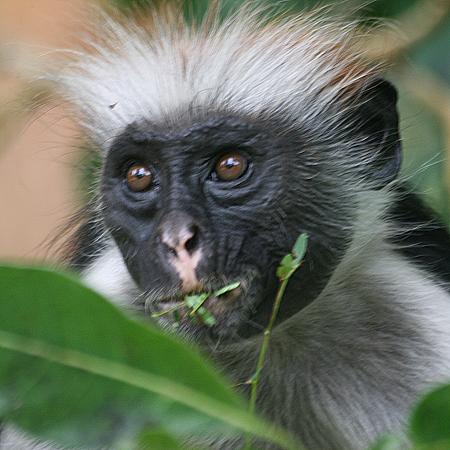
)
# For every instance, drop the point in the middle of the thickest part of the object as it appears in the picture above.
(197, 208)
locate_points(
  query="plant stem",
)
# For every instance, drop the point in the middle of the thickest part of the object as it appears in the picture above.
(166, 311)
(289, 264)
(262, 354)
(265, 345)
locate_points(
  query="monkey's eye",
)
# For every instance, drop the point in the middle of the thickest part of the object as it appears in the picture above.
(230, 166)
(139, 177)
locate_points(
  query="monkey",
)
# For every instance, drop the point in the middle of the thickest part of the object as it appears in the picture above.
(221, 142)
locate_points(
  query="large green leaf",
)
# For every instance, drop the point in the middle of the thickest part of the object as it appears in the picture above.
(74, 369)
(430, 422)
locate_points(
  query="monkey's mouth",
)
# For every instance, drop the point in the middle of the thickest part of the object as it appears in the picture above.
(199, 308)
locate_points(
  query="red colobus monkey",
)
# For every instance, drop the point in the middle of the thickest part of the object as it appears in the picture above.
(222, 142)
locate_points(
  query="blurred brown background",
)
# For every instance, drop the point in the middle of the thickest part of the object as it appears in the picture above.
(39, 180)
(37, 151)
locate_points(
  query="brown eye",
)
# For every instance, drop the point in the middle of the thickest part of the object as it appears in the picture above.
(139, 177)
(230, 166)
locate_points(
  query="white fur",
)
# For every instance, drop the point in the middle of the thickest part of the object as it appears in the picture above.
(109, 276)
(301, 68)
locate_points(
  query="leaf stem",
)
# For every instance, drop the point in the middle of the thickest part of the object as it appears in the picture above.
(166, 311)
(289, 264)
(265, 345)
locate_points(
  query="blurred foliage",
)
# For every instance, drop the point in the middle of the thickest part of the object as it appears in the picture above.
(140, 384)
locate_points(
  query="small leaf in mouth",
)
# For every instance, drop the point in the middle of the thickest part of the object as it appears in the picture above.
(225, 289)
(206, 317)
(194, 303)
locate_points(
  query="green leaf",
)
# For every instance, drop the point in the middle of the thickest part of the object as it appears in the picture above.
(74, 369)
(287, 261)
(157, 439)
(192, 300)
(430, 420)
(195, 302)
(286, 267)
(300, 247)
(387, 443)
(206, 317)
(226, 289)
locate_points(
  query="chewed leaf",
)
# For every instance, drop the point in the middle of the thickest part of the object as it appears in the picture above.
(291, 262)
(226, 289)
(300, 247)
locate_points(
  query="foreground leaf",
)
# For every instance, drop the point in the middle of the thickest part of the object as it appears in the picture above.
(74, 369)
(158, 439)
(430, 422)
(387, 443)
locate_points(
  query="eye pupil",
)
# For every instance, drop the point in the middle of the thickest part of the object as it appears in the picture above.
(139, 177)
(230, 167)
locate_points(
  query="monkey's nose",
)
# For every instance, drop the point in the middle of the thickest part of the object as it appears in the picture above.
(181, 241)
(181, 237)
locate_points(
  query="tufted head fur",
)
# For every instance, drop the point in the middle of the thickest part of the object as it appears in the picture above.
(304, 71)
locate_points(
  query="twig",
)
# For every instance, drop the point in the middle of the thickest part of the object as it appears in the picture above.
(289, 264)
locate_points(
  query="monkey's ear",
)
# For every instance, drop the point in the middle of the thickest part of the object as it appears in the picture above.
(378, 122)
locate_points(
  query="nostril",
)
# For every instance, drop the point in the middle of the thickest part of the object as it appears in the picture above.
(192, 242)
(172, 251)
(180, 239)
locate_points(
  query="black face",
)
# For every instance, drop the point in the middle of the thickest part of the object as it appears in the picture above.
(203, 207)
(221, 201)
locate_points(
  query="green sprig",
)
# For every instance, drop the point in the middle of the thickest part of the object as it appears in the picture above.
(288, 265)
(195, 304)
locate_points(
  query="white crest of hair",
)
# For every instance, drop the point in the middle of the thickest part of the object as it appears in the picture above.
(299, 65)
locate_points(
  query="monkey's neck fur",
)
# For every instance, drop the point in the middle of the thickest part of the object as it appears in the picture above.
(348, 367)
